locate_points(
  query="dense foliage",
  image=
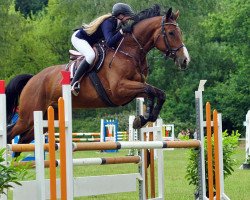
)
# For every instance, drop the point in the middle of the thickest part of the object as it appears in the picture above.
(29, 7)
(216, 33)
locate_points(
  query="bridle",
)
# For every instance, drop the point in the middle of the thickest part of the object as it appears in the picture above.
(169, 52)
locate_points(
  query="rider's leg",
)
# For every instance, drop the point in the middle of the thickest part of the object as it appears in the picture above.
(81, 70)
(85, 49)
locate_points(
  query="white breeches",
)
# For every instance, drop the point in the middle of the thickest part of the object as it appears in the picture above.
(83, 47)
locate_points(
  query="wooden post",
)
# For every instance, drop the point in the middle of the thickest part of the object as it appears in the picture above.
(52, 155)
(152, 167)
(209, 152)
(216, 155)
(61, 115)
(146, 167)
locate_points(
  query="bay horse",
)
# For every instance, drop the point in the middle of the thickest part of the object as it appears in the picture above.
(123, 80)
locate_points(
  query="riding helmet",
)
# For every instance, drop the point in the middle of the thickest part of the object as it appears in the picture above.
(122, 8)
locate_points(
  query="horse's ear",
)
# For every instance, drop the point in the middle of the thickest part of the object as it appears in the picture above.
(176, 15)
(169, 13)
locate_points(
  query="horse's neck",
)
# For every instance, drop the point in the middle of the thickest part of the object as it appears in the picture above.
(144, 34)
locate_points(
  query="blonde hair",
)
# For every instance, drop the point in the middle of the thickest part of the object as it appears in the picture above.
(93, 26)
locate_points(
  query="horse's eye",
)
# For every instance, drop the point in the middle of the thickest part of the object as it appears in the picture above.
(171, 33)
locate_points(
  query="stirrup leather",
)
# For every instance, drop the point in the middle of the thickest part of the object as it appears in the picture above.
(75, 89)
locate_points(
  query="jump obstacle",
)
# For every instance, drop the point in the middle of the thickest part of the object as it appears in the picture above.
(69, 188)
(246, 164)
(108, 132)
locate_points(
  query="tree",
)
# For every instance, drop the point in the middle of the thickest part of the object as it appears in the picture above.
(228, 30)
(11, 30)
(29, 7)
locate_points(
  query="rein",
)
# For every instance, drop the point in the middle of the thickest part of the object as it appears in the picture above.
(140, 46)
(115, 52)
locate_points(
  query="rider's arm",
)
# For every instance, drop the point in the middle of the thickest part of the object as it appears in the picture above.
(110, 34)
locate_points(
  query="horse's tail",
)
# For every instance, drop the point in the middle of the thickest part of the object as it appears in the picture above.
(13, 91)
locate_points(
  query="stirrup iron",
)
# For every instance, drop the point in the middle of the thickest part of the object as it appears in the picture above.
(75, 89)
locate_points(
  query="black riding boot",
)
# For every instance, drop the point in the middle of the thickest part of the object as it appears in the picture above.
(82, 69)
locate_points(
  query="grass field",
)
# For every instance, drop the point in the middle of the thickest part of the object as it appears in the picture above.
(176, 186)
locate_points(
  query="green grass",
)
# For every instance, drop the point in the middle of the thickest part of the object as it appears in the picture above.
(237, 185)
(176, 186)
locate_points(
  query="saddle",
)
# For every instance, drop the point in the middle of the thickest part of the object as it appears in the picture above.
(76, 58)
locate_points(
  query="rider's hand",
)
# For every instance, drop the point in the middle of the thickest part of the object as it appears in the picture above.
(128, 27)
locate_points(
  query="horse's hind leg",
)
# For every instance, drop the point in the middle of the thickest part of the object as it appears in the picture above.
(28, 136)
(19, 128)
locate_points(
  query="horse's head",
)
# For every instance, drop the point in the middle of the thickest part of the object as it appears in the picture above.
(168, 39)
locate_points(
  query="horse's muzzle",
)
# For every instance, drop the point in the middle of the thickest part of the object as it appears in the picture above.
(182, 63)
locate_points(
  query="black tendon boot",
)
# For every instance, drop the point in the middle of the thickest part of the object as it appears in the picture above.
(81, 70)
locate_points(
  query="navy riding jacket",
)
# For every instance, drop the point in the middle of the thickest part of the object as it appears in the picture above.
(107, 31)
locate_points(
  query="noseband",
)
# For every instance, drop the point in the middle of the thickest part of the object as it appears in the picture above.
(169, 52)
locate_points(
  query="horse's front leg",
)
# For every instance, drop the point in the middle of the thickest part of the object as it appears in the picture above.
(141, 120)
(130, 89)
(161, 98)
(152, 111)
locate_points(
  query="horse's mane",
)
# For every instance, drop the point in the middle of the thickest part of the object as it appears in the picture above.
(154, 11)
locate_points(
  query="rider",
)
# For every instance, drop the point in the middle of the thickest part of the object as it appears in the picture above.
(104, 27)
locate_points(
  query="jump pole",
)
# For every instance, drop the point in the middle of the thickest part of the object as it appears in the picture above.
(3, 124)
(246, 123)
(52, 154)
(136, 145)
(87, 161)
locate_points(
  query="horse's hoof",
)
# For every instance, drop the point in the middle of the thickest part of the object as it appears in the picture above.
(137, 123)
